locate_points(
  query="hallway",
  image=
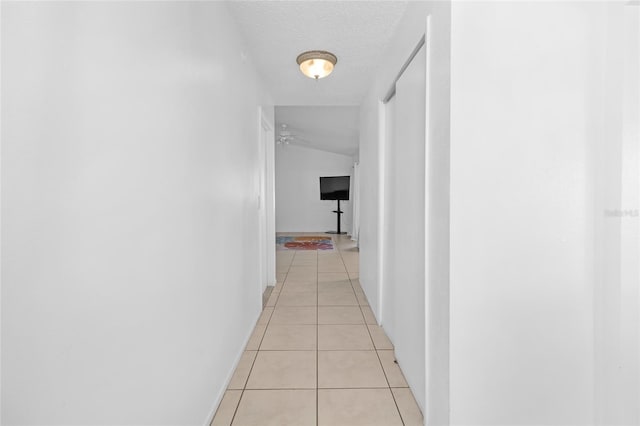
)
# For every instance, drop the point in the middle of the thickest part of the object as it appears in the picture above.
(316, 355)
(150, 152)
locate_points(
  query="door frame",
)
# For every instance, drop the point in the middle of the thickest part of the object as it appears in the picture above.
(266, 198)
(436, 259)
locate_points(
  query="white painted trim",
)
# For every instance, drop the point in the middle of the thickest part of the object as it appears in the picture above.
(266, 207)
(427, 122)
(382, 176)
(0, 232)
(270, 195)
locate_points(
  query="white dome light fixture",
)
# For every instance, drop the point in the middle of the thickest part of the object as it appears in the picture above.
(316, 63)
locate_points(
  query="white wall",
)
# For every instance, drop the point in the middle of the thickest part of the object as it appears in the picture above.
(536, 154)
(298, 204)
(410, 30)
(129, 200)
(617, 292)
(533, 147)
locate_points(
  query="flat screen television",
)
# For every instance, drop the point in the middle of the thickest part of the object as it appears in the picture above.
(334, 188)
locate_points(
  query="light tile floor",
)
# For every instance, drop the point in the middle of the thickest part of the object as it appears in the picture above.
(317, 356)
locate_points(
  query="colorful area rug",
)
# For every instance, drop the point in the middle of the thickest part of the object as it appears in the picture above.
(313, 242)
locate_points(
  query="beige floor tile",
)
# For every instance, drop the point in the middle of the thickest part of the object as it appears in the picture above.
(337, 298)
(328, 255)
(357, 407)
(303, 270)
(305, 261)
(350, 256)
(291, 286)
(302, 277)
(350, 369)
(265, 315)
(335, 286)
(380, 339)
(300, 298)
(362, 299)
(329, 252)
(289, 337)
(271, 302)
(283, 370)
(330, 260)
(295, 315)
(288, 356)
(306, 254)
(301, 281)
(227, 408)
(409, 410)
(324, 277)
(340, 315)
(239, 378)
(369, 317)
(285, 254)
(256, 337)
(331, 267)
(392, 369)
(277, 408)
(344, 337)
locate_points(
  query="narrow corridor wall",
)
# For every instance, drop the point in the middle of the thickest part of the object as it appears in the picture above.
(129, 210)
(535, 162)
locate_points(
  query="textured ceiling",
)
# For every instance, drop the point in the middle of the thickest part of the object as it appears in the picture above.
(320, 114)
(328, 128)
(357, 32)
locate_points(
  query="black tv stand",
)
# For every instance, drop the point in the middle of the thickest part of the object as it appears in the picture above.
(338, 212)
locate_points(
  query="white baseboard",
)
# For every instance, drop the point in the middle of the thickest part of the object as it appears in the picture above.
(220, 395)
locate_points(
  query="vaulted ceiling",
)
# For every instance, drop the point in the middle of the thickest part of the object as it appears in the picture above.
(329, 128)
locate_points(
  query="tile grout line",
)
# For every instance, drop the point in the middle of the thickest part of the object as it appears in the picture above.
(372, 341)
(331, 388)
(281, 288)
(338, 250)
(246, 381)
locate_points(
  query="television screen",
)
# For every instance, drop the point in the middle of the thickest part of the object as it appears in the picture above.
(334, 188)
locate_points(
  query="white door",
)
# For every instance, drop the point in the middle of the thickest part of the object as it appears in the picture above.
(407, 190)
(388, 243)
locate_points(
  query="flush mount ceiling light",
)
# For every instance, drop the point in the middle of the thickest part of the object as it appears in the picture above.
(316, 63)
